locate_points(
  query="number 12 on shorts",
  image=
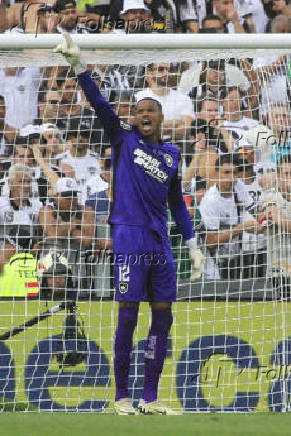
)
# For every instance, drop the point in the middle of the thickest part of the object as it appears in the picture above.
(124, 273)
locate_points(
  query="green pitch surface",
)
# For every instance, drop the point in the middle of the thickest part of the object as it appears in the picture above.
(40, 424)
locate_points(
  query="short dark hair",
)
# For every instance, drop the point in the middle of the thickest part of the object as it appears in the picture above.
(203, 98)
(285, 159)
(60, 5)
(210, 17)
(152, 99)
(216, 64)
(228, 158)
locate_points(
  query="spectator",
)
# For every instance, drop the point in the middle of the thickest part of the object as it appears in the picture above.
(235, 121)
(280, 122)
(45, 155)
(30, 16)
(280, 7)
(272, 141)
(158, 11)
(39, 137)
(212, 23)
(68, 17)
(274, 86)
(189, 15)
(5, 144)
(275, 141)
(68, 229)
(124, 107)
(277, 220)
(19, 210)
(3, 18)
(20, 86)
(84, 162)
(210, 123)
(71, 20)
(51, 142)
(211, 78)
(64, 220)
(98, 192)
(224, 216)
(49, 109)
(137, 17)
(254, 246)
(177, 108)
(71, 95)
(281, 24)
(71, 107)
(268, 8)
(18, 266)
(229, 16)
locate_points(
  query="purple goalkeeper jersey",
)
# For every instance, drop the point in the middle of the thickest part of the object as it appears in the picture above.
(145, 175)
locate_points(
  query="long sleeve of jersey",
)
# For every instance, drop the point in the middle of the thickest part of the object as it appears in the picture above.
(145, 178)
(179, 210)
(104, 111)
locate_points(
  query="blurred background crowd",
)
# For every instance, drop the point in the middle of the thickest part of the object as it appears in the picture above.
(145, 16)
(230, 118)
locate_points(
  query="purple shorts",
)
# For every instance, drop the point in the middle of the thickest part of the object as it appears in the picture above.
(144, 267)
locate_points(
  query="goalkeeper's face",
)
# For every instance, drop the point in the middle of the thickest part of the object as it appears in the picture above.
(148, 119)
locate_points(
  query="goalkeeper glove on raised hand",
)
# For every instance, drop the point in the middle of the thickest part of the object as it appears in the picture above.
(197, 259)
(72, 54)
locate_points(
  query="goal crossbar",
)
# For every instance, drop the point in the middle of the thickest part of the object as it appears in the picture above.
(150, 41)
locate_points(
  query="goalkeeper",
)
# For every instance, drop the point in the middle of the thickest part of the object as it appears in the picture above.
(146, 178)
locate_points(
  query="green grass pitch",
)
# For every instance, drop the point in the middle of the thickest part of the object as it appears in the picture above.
(59, 424)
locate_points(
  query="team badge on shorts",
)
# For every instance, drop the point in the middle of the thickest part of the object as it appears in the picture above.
(169, 160)
(123, 288)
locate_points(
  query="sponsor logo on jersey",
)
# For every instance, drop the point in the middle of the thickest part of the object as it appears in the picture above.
(169, 160)
(125, 126)
(150, 164)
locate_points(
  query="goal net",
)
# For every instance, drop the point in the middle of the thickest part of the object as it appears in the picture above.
(228, 112)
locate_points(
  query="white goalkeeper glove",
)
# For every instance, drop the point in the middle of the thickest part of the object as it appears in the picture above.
(72, 53)
(197, 259)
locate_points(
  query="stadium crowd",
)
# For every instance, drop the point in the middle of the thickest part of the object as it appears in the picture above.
(145, 16)
(230, 119)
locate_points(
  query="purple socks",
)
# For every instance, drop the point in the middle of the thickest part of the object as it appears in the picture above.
(127, 320)
(155, 352)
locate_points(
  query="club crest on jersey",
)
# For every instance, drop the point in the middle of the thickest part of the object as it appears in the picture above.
(169, 160)
(150, 164)
(123, 287)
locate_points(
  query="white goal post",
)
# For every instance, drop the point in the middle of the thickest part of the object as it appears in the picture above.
(222, 94)
(150, 41)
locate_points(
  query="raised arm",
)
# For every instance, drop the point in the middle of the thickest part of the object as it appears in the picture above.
(104, 111)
